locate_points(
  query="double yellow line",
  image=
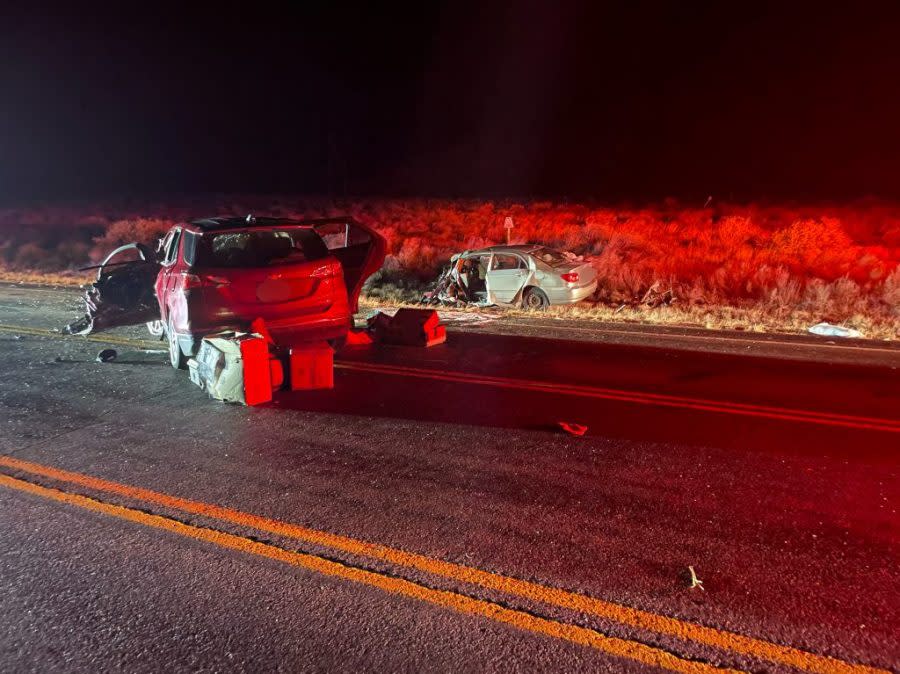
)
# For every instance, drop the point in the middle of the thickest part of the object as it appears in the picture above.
(102, 339)
(575, 390)
(632, 396)
(728, 642)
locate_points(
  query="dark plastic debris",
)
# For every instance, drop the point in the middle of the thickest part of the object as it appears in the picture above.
(408, 327)
(107, 355)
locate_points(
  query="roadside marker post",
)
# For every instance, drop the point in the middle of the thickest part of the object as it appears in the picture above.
(508, 225)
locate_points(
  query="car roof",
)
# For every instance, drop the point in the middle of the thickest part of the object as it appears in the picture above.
(517, 248)
(248, 222)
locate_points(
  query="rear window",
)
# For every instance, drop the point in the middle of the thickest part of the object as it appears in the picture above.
(549, 256)
(258, 247)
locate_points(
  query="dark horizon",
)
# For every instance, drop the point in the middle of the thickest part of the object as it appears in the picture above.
(503, 100)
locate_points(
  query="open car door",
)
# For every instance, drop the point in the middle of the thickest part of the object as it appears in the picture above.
(124, 292)
(359, 249)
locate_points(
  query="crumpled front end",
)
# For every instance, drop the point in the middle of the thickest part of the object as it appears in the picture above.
(123, 294)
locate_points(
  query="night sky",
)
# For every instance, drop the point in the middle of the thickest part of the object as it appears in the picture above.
(591, 100)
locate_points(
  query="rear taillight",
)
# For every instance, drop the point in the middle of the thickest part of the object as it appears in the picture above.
(571, 277)
(202, 281)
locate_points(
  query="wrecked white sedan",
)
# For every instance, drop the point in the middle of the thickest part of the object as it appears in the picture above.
(529, 276)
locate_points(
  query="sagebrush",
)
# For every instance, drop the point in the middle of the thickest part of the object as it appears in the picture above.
(834, 261)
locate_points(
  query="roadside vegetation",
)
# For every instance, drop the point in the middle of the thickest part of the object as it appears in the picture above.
(754, 267)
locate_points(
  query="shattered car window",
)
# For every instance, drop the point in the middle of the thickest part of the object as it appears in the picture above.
(549, 256)
(258, 248)
(505, 262)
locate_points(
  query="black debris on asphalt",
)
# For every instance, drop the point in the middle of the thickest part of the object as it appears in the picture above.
(107, 355)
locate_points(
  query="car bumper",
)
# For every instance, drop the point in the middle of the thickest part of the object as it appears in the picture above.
(285, 333)
(571, 295)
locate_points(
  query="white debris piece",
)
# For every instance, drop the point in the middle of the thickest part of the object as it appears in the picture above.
(234, 367)
(829, 330)
(695, 582)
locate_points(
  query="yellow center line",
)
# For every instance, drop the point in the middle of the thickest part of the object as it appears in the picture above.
(623, 648)
(633, 396)
(103, 339)
(765, 339)
(625, 615)
(624, 395)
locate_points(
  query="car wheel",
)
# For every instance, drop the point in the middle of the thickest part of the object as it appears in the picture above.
(176, 355)
(156, 328)
(535, 298)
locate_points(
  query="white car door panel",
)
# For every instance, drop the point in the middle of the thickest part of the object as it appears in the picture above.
(507, 274)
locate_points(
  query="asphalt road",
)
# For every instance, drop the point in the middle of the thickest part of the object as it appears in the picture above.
(429, 515)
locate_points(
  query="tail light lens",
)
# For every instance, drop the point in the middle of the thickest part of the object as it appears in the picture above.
(190, 281)
(571, 277)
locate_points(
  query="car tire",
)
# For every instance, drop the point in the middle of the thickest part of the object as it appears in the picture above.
(535, 299)
(176, 355)
(156, 328)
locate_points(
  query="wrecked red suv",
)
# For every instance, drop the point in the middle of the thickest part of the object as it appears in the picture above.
(302, 277)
